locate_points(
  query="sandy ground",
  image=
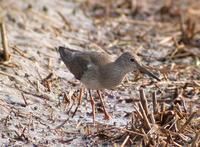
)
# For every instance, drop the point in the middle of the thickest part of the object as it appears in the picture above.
(33, 114)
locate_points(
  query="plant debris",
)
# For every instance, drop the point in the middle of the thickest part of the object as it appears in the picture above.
(40, 101)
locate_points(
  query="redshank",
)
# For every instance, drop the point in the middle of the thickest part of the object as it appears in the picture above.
(98, 72)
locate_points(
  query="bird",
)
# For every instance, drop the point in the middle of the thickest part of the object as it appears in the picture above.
(97, 71)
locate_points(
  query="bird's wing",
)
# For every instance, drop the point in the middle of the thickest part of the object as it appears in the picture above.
(80, 62)
(76, 61)
(79, 65)
(99, 59)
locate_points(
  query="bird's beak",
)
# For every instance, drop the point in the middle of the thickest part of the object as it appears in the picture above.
(146, 71)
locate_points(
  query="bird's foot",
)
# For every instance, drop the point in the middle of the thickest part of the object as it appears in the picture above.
(107, 116)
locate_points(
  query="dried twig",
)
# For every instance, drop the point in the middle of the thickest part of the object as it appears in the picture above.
(10, 65)
(146, 121)
(143, 100)
(196, 140)
(155, 103)
(49, 63)
(152, 118)
(129, 131)
(9, 75)
(24, 98)
(62, 124)
(138, 112)
(65, 20)
(187, 122)
(79, 100)
(188, 32)
(19, 51)
(126, 139)
(6, 55)
(47, 82)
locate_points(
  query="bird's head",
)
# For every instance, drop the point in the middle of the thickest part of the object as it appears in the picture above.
(131, 62)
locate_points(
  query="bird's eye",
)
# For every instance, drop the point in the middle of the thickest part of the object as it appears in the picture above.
(132, 60)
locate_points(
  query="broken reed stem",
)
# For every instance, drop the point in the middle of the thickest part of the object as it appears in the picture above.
(25, 102)
(181, 22)
(126, 139)
(6, 55)
(62, 124)
(145, 138)
(138, 112)
(143, 100)
(196, 140)
(122, 129)
(152, 118)
(146, 121)
(65, 20)
(79, 101)
(178, 111)
(162, 110)
(129, 131)
(155, 103)
(187, 122)
(48, 77)
(19, 51)
(7, 74)
(176, 94)
(49, 64)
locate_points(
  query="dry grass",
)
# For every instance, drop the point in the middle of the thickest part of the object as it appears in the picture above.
(39, 98)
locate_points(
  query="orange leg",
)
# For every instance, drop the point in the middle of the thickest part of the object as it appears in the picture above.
(93, 106)
(107, 116)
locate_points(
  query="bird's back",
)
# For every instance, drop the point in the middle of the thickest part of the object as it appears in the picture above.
(79, 62)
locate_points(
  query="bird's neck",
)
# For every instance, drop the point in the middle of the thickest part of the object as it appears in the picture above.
(120, 65)
(119, 68)
(112, 75)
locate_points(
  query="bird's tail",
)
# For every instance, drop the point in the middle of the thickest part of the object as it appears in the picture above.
(66, 53)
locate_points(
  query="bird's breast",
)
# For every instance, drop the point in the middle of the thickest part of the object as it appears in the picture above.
(111, 76)
(91, 80)
(111, 82)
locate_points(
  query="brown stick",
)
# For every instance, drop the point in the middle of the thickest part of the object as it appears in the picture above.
(25, 101)
(152, 118)
(79, 101)
(19, 51)
(126, 130)
(6, 55)
(155, 103)
(65, 20)
(187, 121)
(126, 139)
(195, 140)
(143, 100)
(146, 121)
(138, 112)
